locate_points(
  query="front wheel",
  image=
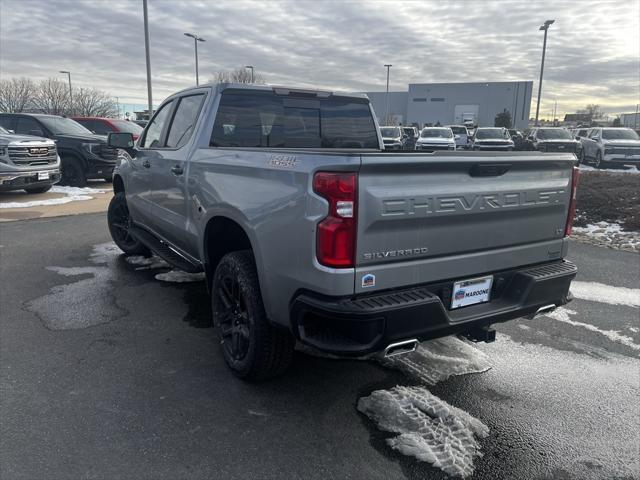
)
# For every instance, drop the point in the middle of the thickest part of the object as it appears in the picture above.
(599, 163)
(252, 347)
(72, 173)
(119, 222)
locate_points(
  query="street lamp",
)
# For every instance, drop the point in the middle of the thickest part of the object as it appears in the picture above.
(387, 96)
(251, 68)
(544, 27)
(196, 39)
(148, 58)
(70, 94)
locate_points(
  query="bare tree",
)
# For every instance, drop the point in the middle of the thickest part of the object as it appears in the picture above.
(593, 110)
(88, 102)
(16, 94)
(239, 75)
(52, 97)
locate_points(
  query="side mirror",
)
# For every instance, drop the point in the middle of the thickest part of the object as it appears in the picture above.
(11, 131)
(36, 133)
(120, 140)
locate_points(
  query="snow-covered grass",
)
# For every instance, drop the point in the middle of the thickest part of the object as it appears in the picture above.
(608, 233)
(71, 194)
(428, 428)
(626, 169)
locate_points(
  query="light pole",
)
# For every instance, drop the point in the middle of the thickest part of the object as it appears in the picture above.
(70, 92)
(196, 39)
(118, 106)
(251, 68)
(386, 120)
(146, 49)
(544, 27)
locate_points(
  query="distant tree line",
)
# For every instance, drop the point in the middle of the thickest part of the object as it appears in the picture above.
(52, 96)
(238, 75)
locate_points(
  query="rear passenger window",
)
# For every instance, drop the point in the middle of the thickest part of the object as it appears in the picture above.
(101, 128)
(265, 119)
(184, 120)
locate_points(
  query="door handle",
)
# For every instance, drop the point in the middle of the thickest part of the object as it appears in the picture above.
(146, 164)
(177, 170)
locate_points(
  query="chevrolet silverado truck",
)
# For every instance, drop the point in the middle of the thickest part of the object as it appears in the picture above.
(83, 154)
(308, 230)
(610, 146)
(27, 163)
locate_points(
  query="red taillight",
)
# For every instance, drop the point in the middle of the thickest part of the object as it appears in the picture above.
(572, 203)
(336, 233)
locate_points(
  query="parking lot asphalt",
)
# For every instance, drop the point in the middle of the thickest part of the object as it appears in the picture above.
(106, 372)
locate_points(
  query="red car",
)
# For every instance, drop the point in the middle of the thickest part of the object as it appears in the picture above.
(104, 126)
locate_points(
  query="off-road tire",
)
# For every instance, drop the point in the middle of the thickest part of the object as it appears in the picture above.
(262, 351)
(72, 172)
(119, 221)
(41, 189)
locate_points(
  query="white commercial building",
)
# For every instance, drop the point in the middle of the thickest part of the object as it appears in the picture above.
(452, 103)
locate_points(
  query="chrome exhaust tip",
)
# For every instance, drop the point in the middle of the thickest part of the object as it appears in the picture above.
(400, 348)
(543, 310)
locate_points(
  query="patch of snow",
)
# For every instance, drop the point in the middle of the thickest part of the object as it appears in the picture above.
(611, 234)
(72, 194)
(439, 359)
(147, 263)
(634, 329)
(599, 292)
(563, 315)
(429, 428)
(178, 276)
(627, 169)
(522, 326)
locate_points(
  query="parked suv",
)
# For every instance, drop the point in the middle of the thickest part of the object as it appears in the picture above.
(394, 138)
(436, 138)
(551, 139)
(83, 154)
(605, 146)
(105, 126)
(27, 163)
(491, 138)
(461, 135)
(308, 230)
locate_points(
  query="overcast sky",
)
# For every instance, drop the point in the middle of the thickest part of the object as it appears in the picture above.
(593, 49)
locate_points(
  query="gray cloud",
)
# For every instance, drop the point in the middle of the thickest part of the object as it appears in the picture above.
(592, 56)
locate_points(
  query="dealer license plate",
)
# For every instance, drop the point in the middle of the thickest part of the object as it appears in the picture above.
(470, 292)
(43, 175)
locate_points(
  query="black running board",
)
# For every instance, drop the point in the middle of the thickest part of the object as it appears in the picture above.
(164, 251)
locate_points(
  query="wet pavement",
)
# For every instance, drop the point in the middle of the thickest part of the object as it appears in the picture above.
(106, 372)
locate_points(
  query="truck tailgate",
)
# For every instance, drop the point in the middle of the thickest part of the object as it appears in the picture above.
(432, 217)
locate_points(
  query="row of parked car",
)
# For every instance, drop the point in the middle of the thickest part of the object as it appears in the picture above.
(37, 151)
(601, 146)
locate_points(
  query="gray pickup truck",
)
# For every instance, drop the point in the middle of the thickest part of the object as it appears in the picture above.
(307, 230)
(27, 163)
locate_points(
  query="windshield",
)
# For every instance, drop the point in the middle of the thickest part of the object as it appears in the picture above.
(127, 127)
(619, 134)
(61, 126)
(390, 132)
(459, 130)
(553, 134)
(436, 133)
(483, 133)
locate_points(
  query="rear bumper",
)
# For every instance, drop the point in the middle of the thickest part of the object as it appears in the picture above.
(366, 324)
